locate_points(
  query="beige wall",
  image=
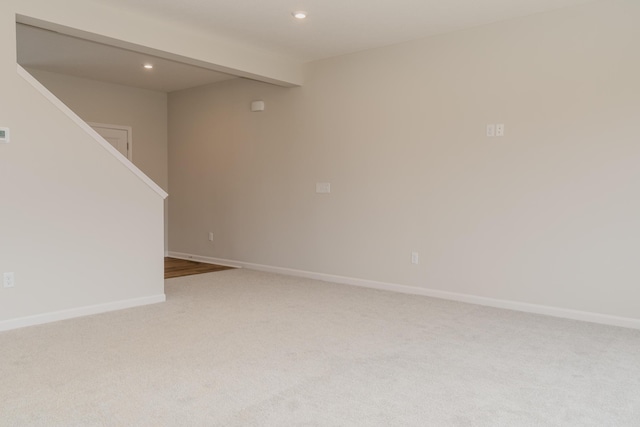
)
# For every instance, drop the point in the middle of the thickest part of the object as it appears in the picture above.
(548, 214)
(144, 110)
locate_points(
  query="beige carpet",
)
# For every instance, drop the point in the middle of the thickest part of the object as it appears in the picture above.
(243, 348)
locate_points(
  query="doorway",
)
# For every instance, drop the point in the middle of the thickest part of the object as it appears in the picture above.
(118, 136)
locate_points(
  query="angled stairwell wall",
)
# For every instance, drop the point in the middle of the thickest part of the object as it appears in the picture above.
(81, 229)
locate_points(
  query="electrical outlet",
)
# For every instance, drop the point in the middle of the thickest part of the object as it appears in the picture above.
(210, 236)
(9, 280)
(500, 130)
(414, 258)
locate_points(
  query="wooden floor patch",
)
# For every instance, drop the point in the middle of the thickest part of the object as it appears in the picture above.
(174, 267)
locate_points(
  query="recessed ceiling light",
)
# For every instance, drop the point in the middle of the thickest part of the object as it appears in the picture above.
(148, 66)
(299, 14)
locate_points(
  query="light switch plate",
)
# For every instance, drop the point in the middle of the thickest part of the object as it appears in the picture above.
(491, 130)
(323, 187)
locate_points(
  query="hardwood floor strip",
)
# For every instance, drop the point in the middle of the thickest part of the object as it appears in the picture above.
(174, 267)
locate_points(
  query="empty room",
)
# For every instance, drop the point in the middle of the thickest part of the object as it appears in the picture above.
(411, 213)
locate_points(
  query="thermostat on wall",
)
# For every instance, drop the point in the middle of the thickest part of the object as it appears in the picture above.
(257, 106)
(4, 134)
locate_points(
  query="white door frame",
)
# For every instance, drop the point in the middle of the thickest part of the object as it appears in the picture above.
(119, 127)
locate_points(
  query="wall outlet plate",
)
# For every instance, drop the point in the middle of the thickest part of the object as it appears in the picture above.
(9, 280)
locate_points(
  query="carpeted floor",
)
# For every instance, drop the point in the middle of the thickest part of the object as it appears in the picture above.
(244, 348)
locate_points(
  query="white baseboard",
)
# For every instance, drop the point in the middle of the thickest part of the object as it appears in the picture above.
(565, 313)
(39, 319)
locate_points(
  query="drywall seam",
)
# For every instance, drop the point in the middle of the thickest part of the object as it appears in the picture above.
(564, 313)
(55, 316)
(89, 130)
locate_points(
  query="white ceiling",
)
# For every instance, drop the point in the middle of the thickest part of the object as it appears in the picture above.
(336, 27)
(333, 27)
(49, 51)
